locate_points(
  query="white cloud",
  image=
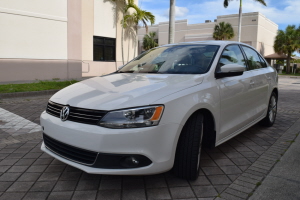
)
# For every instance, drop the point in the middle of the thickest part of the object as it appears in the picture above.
(287, 13)
(179, 12)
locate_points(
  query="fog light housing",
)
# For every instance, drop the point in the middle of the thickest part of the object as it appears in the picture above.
(130, 162)
(121, 161)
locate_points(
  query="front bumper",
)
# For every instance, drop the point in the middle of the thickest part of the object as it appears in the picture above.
(158, 143)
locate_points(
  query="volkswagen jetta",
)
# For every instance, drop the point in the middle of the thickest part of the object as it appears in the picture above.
(155, 113)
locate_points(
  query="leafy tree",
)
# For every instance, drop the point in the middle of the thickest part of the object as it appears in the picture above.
(132, 15)
(149, 41)
(226, 2)
(136, 17)
(223, 31)
(286, 42)
(123, 6)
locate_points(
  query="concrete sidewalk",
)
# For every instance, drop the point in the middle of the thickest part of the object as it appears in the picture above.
(283, 182)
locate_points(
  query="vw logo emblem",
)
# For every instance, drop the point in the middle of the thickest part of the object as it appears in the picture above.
(64, 113)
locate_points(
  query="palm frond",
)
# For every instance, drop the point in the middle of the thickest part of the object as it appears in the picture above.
(149, 41)
(223, 31)
(262, 2)
(225, 3)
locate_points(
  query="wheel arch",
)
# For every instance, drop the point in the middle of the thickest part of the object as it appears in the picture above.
(276, 91)
(209, 122)
(209, 128)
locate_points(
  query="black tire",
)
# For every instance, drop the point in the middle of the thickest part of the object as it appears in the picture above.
(272, 111)
(187, 159)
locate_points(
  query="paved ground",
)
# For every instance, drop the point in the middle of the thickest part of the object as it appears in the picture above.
(283, 182)
(231, 171)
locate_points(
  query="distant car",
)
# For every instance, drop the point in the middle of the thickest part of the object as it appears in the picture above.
(156, 112)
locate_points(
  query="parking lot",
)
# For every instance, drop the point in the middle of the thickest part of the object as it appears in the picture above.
(230, 171)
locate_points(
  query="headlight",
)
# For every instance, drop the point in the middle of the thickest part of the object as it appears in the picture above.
(133, 118)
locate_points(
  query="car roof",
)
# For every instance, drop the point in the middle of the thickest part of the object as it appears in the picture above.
(209, 42)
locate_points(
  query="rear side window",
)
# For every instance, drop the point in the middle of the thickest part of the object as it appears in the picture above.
(253, 60)
(232, 54)
(262, 62)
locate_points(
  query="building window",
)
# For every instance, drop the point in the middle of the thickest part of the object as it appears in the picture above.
(104, 49)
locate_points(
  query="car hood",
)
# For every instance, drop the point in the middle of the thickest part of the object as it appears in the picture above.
(118, 90)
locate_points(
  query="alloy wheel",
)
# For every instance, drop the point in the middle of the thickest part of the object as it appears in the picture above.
(272, 109)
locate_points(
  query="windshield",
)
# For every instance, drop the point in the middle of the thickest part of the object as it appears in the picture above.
(177, 59)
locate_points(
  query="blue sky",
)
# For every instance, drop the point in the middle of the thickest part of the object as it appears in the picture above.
(283, 13)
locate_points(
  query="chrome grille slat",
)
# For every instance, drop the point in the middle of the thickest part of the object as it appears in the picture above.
(58, 111)
(52, 107)
(80, 115)
(75, 113)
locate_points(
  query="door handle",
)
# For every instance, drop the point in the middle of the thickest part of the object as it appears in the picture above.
(269, 78)
(251, 82)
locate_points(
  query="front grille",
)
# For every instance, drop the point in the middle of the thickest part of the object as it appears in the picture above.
(69, 152)
(80, 115)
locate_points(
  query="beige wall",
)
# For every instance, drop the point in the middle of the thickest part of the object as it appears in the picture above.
(267, 32)
(249, 27)
(257, 31)
(43, 8)
(104, 18)
(87, 29)
(42, 39)
(93, 24)
(74, 33)
(101, 18)
(33, 29)
(35, 37)
(13, 70)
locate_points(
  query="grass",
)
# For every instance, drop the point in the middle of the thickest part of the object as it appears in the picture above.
(41, 85)
(258, 183)
(291, 141)
(284, 73)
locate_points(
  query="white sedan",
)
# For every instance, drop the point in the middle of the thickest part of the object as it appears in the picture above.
(156, 112)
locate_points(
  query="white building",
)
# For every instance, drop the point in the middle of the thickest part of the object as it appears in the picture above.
(257, 30)
(47, 39)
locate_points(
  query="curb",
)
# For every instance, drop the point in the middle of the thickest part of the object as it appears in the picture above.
(244, 186)
(27, 94)
(288, 76)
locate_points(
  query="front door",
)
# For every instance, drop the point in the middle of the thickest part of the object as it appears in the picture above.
(261, 81)
(236, 94)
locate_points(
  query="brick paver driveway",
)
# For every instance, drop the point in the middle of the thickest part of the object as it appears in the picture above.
(230, 171)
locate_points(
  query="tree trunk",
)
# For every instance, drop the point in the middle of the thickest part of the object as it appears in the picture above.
(240, 22)
(122, 42)
(288, 60)
(135, 42)
(172, 21)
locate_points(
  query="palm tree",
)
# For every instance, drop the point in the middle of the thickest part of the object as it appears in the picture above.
(149, 42)
(223, 31)
(123, 6)
(287, 42)
(172, 21)
(240, 14)
(136, 17)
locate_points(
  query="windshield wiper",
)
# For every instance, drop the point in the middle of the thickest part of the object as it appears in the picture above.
(126, 71)
(154, 72)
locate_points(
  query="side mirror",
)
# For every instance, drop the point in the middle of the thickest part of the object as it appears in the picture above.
(230, 70)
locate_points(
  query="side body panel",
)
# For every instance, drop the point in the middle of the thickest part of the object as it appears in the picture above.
(237, 99)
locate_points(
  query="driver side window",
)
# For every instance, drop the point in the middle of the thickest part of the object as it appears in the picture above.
(232, 54)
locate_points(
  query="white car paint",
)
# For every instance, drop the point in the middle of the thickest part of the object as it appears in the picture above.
(236, 103)
(123, 90)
